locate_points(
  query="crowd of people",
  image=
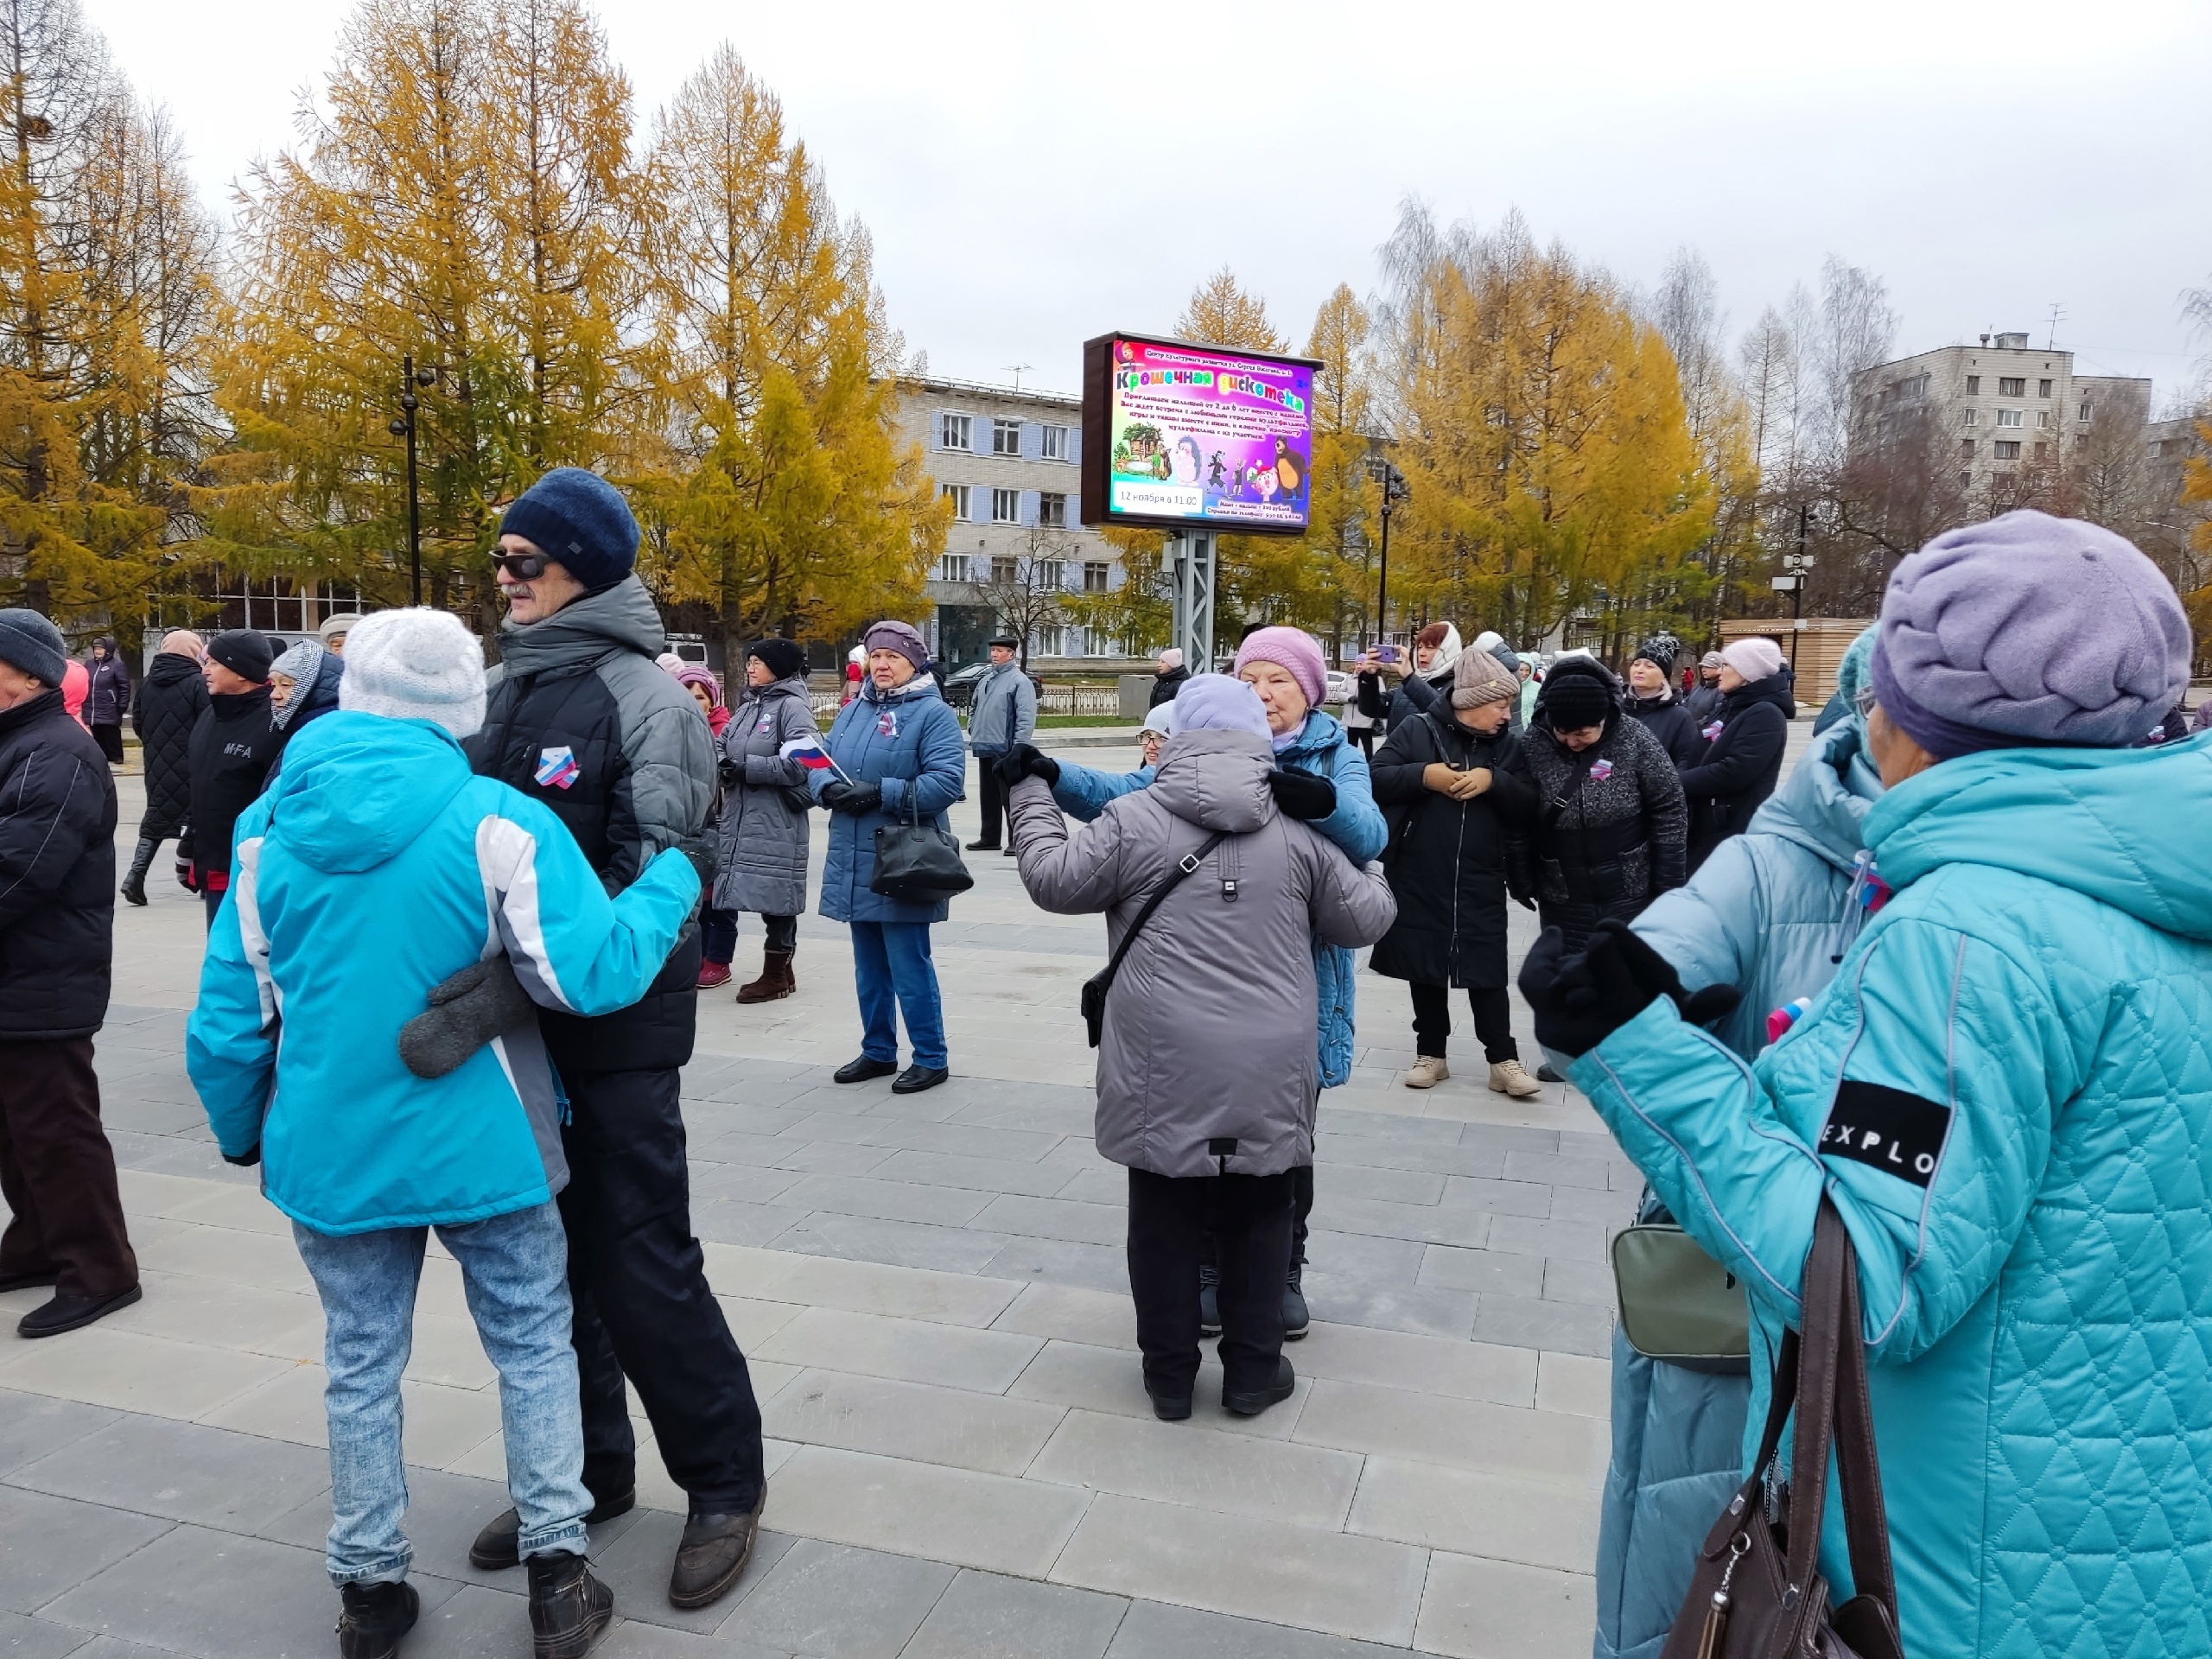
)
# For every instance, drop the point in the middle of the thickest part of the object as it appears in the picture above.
(1946, 976)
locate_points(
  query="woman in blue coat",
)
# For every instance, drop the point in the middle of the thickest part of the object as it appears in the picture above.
(2004, 1093)
(899, 748)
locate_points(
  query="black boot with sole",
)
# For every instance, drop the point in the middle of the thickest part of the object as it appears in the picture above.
(134, 885)
(569, 1609)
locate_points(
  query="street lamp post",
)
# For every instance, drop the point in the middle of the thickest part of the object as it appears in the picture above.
(1394, 491)
(1798, 564)
(404, 427)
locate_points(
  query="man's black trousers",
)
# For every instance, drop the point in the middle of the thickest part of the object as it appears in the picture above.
(642, 1306)
(1249, 1216)
(993, 799)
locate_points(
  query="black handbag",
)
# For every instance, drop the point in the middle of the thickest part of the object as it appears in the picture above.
(1756, 1591)
(918, 863)
(1094, 987)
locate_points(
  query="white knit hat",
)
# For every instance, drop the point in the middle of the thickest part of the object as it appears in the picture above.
(414, 665)
(1754, 659)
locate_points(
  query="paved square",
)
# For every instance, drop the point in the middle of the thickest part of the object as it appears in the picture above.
(933, 1295)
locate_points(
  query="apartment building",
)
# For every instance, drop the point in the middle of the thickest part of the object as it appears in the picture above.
(1993, 408)
(1008, 460)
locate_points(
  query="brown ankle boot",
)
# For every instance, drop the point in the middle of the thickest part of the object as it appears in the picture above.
(775, 979)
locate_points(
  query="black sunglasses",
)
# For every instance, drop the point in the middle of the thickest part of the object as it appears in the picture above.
(523, 567)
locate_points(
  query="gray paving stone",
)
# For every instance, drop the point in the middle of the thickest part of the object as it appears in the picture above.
(1060, 1261)
(1438, 1157)
(34, 1638)
(630, 1639)
(33, 1426)
(988, 1615)
(745, 1183)
(896, 1243)
(182, 1471)
(881, 1200)
(1445, 1266)
(975, 1174)
(1564, 1327)
(636, 1568)
(1387, 1126)
(730, 1221)
(735, 1146)
(1590, 1283)
(106, 1646)
(1499, 1197)
(1152, 1629)
(53, 1543)
(1061, 1218)
(834, 1158)
(832, 1599)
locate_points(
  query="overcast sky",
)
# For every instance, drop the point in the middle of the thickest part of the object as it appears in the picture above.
(1035, 174)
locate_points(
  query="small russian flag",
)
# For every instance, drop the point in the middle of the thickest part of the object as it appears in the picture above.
(809, 753)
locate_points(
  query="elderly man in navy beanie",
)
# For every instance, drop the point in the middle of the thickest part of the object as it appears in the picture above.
(581, 718)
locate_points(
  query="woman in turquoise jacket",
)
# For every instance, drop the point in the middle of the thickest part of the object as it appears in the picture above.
(2006, 1095)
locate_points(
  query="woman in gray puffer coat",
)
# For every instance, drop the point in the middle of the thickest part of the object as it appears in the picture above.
(1208, 1069)
(762, 863)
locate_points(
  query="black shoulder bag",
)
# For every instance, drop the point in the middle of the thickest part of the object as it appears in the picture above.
(1094, 987)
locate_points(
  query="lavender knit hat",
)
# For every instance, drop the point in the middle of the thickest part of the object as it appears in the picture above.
(2028, 629)
(1295, 651)
(1215, 703)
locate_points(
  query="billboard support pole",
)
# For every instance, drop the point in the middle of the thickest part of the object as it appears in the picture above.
(1190, 556)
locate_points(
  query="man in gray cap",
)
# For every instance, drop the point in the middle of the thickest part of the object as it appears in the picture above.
(1003, 715)
(333, 632)
(1704, 703)
(57, 927)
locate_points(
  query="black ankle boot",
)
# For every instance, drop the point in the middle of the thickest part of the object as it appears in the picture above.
(569, 1609)
(134, 885)
(374, 1616)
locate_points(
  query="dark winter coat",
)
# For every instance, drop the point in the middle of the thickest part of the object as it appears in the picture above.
(57, 874)
(583, 719)
(762, 863)
(1670, 722)
(1610, 832)
(107, 698)
(1703, 703)
(1448, 860)
(1165, 686)
(1416, 695)
(171, 699)
(311, 702)
(908, 741)
(1742, 758)
(233, 745)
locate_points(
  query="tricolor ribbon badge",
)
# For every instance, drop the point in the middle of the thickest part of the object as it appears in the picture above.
(558, 768)
(1600, 770)
(1711, 732)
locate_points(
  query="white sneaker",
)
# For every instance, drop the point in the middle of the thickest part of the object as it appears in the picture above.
(1507, 1078)
(1427, 1071)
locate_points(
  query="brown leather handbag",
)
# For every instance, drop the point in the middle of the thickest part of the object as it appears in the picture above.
(1756, 1592)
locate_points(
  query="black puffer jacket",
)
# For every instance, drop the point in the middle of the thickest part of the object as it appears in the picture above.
(1448, 860)
(1610, 832)
(57, 874)
(171, 699)
(1165, 686)
(583, 719)
(1669, 722)
(233, 745)
(1740, 762)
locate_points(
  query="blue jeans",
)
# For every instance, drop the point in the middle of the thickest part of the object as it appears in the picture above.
(515, 1270)
(892, 973)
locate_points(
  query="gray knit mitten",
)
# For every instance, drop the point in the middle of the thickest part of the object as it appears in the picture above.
(467, 1011)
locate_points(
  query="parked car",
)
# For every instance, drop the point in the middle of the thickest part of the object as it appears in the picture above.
(960, 685)
(1342, 687)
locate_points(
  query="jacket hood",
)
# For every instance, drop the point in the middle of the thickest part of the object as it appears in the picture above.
(170, 667)
(358, 789)
(2123, 826)
(620, 617)
(1217, 780)
(922, 685)
(1822, 805)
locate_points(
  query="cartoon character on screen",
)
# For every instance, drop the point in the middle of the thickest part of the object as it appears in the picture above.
(1290, 469)
(1213, 474)
(1186, 461)
(1264, 480)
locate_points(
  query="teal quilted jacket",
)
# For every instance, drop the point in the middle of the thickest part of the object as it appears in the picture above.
(2008, 1090)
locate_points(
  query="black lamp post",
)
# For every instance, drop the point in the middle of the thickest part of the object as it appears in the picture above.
(404, 427)
(1394, 491)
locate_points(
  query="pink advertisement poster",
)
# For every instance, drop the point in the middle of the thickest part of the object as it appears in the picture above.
(1209, 436)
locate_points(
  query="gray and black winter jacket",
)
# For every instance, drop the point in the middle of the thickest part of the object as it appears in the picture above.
(583, 719)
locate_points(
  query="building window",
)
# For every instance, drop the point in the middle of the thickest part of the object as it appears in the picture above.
(1005, 570)
(2008, 450)
(952, 432)
(952, 567)
(1051, 575)
(2043, 417)
(1965, 449)
(1055, 442)
(1964, 479)
(1006, 438)
(1973, 386)
(2043, 451)
(2084, 416)
(958, 494)
(1006, 506)
(2042, 388)
(1051, 509)
(1093, 576)
(1972, 418)
(2012, 385)
(2008, 417)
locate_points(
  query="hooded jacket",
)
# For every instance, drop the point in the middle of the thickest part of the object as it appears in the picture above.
(107, 691)
(233, 745)
(1742, 758)
(1608, 832)
(2005, 1093)
(57, 874)
(375, 867)
(1206, 1064)
(762, 863)
(908, 741)
(311, 702)
(169, 703)
(1165, 686)
(582, 720)
(1668, 721)
(1004, 712)
(1769, 912)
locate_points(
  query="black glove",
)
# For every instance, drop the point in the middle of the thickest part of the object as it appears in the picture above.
(247, 1159)
(1302, 795)
(726, 771)
(468, 1010)
(185, 877)
(1580, 1001)
(859, 799)
(1026, 761)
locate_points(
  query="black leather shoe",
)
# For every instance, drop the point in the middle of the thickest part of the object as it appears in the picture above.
(372, 1617)
(72, 1313)
(1169, 1411)
(569, 1609)
(1009, 851)
(861, 1070)
(711, 1555)
(1295, 1315)
(915, 1078)
(31, 1281)
(498, 1546)
(982, 846)
(1545, 1074)
(1252, 1403)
